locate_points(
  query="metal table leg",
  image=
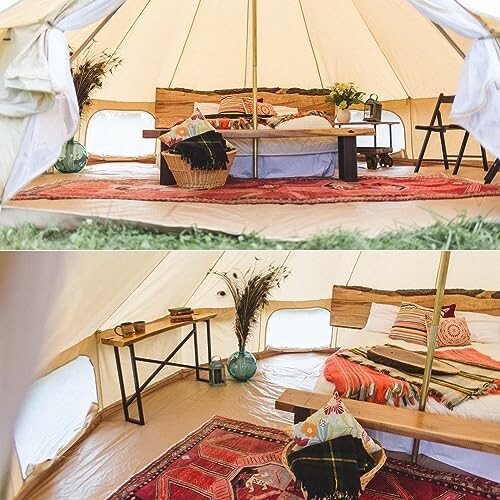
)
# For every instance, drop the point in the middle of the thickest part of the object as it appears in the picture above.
(136, 384)
(494, 169)
(209, 341)
(122, 384)
(196, 356)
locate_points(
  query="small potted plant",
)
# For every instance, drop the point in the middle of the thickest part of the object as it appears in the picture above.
(88, 73)
(250, 291)
(343, 96)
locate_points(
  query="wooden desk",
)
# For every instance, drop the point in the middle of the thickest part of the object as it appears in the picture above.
(153, 328)
(348, 164)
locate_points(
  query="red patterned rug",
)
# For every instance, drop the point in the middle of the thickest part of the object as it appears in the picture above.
(230, 460)
(277, 191)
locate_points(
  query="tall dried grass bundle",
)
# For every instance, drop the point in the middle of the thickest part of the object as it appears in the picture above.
(88, 74)
(250, 291)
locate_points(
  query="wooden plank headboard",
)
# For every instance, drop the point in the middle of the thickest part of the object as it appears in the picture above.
(351, 304)
(176, 104)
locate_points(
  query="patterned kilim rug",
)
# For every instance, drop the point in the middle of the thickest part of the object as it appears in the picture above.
(226, 460)
(277, 191)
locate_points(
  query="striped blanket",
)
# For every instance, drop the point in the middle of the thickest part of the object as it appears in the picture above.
(357, 377)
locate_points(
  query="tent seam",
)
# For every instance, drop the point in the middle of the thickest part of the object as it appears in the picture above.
(381, 50)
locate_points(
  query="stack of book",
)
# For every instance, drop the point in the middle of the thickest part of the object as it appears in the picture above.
(180, 314)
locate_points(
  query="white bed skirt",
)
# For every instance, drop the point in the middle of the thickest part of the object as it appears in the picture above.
(481, 464)
(272, 167)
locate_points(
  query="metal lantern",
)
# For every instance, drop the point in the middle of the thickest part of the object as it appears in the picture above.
(216, 372)
(373, 109)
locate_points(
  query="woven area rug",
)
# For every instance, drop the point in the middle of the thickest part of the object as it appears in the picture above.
(276, 191)
(226, 460)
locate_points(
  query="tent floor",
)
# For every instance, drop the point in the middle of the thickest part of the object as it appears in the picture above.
(271, 221)
(116, 450)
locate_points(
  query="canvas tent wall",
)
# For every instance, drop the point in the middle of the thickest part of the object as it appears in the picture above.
(387, 47)
(71, 296)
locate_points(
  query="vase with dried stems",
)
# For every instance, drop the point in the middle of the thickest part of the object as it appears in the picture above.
(88, 74)
(250, 291)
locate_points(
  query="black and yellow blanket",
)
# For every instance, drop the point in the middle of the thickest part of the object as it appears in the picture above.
(331, 470)
(207, 151)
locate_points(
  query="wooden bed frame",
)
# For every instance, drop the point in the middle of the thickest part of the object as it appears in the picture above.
(351, 305)
(350, 308)
(172, 105)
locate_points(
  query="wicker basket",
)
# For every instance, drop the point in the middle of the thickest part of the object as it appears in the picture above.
(188, 178)
(379, 457)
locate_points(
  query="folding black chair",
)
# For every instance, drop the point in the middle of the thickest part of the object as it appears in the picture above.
(437, 125)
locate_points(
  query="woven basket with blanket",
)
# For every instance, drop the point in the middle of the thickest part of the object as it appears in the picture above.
(331, 455)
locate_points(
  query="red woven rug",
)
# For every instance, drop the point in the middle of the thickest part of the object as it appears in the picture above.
(277, 191)
(231, 460)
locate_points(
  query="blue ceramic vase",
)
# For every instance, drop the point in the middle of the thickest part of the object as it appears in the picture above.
(242, 365)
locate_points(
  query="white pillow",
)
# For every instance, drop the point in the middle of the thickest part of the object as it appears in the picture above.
(207, 108)
(484, 328)
(305, 122)
(285, 110)
(381, 318)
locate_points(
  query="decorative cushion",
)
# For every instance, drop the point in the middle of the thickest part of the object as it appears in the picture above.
(330, 422)
(452, 331)
(195, 125)
(410, 325)
(234, 105)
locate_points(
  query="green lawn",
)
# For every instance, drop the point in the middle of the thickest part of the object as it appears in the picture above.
(461, 233)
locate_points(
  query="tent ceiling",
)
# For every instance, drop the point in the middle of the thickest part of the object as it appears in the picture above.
(386, 47)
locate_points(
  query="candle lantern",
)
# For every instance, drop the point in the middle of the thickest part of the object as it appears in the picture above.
(216, 372)
(373, 109)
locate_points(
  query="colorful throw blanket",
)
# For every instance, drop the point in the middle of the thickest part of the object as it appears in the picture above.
(331, 470)
(364, 379)
(245, 123)
(203, 152)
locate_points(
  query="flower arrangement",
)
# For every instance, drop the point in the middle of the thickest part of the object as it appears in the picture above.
(344, 95)
(250, 291)
(88, 74)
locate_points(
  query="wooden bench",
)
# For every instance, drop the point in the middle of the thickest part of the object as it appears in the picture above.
(455, 431)
(348, 164)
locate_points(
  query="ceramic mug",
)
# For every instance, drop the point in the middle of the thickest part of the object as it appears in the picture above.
(126, 330)
(140, 327)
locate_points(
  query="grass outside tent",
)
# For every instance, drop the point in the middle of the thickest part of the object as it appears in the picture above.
(461, 233)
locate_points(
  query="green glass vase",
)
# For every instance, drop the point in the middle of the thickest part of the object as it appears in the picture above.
(73, 158)
(242, 365)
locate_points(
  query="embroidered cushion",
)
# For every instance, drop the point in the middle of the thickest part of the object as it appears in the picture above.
(234, 105)
(330, 422)
(410, 325)
(195, 125)
(452, 331)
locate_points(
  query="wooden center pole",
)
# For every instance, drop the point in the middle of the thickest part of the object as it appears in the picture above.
(254, 89)
(431, 341)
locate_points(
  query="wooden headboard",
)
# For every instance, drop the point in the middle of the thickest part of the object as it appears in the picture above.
(351, 304)
(176, 104)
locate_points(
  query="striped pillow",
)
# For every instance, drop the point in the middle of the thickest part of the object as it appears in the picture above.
(410, 325)
(234, 105)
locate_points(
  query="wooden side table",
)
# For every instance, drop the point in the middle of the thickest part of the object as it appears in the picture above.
(109, 337)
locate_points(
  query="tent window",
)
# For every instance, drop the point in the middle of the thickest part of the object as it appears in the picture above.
(119, 133)
(299, 328)
(54, 412)
(398, 131)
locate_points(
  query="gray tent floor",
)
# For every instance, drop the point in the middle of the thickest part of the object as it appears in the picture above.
(117, 450)
(286, 222)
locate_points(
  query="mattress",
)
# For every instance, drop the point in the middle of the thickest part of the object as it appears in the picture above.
(284, 157)
(484, 408)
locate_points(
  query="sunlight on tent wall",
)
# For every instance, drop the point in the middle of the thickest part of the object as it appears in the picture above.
(54, 412)
(299, 329)
(119, 133)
